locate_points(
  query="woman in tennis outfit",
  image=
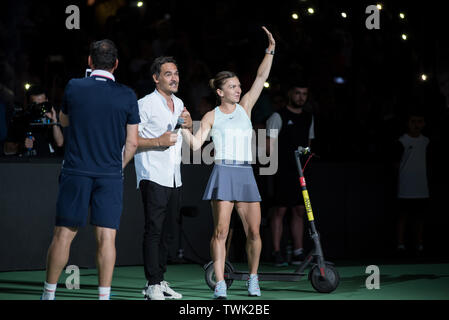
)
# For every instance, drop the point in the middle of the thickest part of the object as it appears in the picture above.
(232, 181)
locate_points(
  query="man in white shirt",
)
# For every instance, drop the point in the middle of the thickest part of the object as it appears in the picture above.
(157, 163)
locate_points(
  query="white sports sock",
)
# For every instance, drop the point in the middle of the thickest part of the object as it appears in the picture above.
(104, 293)
(49, 291)
(297, 252)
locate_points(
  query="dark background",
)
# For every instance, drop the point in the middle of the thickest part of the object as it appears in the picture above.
(382, 71)
(356, 122)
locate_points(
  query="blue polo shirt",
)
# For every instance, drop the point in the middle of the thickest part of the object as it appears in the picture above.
(99, 110)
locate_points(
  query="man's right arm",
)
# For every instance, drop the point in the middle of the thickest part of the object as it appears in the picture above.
(167, 139)
(164, 141)
(131, 143)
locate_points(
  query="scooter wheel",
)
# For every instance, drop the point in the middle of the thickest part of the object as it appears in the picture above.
(210, 275)
(325, 284)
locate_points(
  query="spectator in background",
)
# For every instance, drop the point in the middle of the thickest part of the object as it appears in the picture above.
(292, 126)
(44, 138)
(262, 111)
(413, 190)
(206, 104)
(6, 102)
(6, 98)
(197, 88)
(3, 122)
(278, 101)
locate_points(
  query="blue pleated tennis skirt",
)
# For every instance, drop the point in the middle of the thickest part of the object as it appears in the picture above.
(232, 181)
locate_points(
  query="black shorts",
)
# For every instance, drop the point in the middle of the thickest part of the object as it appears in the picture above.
(414, 206)
(287, 190)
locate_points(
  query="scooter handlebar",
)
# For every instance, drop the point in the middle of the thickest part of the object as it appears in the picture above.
(302, 150)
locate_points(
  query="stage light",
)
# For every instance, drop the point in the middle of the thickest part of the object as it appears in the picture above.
(404, 36)
(344, 15)
(402, 15)
(140, 4)
(295, 16)
(379, 6)
(423, 77)
(266, 84)
(27, 86)
(310, 10)
(339, 80)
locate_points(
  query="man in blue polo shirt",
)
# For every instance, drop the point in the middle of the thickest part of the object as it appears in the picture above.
(101, 120)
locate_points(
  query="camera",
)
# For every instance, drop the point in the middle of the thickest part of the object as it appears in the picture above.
(37, 112)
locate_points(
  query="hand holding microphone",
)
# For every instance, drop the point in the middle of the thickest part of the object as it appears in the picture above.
(168, 139)
(186, 120)
(179, 124)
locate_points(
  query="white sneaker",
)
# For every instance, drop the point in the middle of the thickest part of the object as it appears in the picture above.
(168, 292)
(154, 292)
(144, 290)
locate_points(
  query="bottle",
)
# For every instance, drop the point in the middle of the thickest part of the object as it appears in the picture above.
(30, 151)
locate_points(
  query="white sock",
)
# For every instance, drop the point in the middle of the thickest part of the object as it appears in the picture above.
(104, 293)
(297, 252)
(49, 291)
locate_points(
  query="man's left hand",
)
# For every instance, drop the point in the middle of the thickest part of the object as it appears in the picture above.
(52, 115)
(187, 119)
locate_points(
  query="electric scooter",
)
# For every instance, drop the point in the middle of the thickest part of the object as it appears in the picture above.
(323, 275)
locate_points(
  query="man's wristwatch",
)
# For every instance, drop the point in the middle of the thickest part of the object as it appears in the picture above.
(269, 51)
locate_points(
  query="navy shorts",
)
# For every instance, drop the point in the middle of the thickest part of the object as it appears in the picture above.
(76, 194)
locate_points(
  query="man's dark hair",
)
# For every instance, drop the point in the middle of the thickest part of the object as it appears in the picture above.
(298, 83)
(415, 111)
(158, 62)
(103, 54)
(35, 90)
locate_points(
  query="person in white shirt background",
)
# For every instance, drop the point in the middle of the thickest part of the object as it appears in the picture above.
(157, 164)
(413, 187)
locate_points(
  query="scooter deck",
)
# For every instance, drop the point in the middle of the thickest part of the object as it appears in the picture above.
(265, 276)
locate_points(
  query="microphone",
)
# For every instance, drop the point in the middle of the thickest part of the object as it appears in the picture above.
(179, 123)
